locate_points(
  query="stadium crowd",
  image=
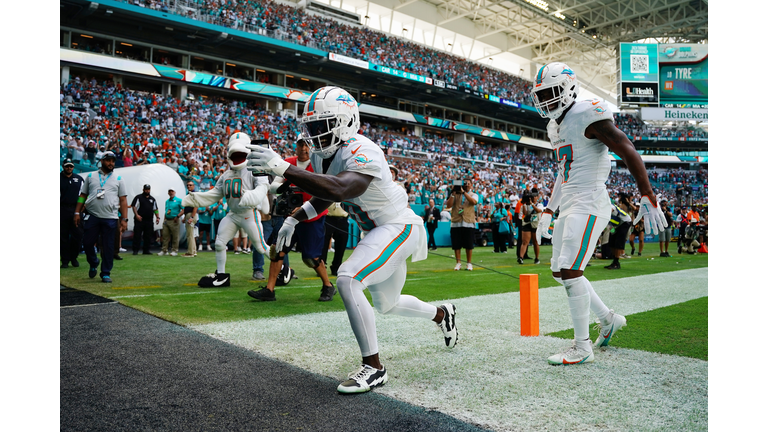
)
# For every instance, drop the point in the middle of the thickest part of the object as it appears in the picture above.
(293, 24)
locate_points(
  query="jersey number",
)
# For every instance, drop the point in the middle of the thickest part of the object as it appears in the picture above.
(565, 155)
(233, 188)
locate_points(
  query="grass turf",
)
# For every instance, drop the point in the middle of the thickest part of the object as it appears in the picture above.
(167, 286)
(680, 329)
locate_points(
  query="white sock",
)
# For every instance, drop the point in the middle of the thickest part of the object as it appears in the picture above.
(360, 314)
(597, 306)
(578, 302)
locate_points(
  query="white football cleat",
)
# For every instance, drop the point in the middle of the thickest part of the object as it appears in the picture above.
(571, 356)
(363, 380)
(607, 332)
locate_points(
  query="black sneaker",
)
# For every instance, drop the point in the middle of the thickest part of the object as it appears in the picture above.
(106, 279)
(286, 275)
(639, 254)
(633, 251)
(92, 272)
(537, 261)
(117, 257)
(613, 267)
(146, 253)
(262, 294)
(363, 380)
(214, 280)
(519, 260)
(64, 265)
(75, 263)
(326, 293)
(135, 252)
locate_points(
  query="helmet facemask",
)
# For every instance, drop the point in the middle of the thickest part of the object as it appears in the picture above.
(563, 89)
(330, 119)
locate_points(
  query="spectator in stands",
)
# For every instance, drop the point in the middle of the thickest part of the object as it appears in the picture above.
(190, 219)
(463, 219)
(144, 208)
(101, 195)
(70, 235)
(77, 150)
(171, 225)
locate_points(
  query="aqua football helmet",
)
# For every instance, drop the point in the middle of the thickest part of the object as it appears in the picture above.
(330, 118)
(554, 89)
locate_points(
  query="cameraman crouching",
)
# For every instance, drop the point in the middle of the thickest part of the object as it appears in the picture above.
(310, 234)
(462, 203)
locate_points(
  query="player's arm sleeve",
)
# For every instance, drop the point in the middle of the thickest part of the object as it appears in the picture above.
(557, 193)
(202, 199)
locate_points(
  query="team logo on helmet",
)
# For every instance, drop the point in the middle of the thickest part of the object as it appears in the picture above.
(599, 110)
(346, 100)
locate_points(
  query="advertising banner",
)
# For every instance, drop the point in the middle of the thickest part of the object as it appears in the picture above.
(639, 93)
(639, 63)
(348, 60)
(674, 114)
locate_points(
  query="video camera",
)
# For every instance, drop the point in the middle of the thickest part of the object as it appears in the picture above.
(458, 186)
(288, 199)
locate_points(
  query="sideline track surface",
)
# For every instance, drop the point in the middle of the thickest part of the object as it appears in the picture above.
(121, 369)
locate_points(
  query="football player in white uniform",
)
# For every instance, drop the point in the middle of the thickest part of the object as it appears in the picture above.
(243, 193)
(581, 134)
(351, 169)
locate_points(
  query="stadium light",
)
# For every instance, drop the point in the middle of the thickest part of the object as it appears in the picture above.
(539, 4)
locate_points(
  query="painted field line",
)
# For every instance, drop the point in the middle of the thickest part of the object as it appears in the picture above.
(166, 295)
(499, 379)
(137, 287)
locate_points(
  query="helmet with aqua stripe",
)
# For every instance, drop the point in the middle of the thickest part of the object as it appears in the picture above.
(554, 89)
(330, 118)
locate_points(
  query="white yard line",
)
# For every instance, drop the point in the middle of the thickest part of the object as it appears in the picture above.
(500, 380)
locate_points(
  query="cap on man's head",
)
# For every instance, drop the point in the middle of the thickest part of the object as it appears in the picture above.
(68, 162)
(394, 168)
(146, 186)
(171, 189)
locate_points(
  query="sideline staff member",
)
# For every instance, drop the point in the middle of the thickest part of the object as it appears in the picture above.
(144, 206)
(70, 236)
(102, 194)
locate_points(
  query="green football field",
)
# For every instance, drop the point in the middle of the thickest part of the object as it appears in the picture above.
(166, 287)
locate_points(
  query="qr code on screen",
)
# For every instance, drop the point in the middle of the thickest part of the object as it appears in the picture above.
(639, 64)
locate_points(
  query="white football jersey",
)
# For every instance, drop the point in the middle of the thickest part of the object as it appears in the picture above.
(583, 163)
(233, 183)
(384, 201)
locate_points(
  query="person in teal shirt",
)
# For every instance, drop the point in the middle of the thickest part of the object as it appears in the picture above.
(171, 224)
(204, 221)
(219, 211)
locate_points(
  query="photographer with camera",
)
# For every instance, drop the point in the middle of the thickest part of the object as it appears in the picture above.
(530, 213)
(309, 236)
(665, 235)
(462, 203)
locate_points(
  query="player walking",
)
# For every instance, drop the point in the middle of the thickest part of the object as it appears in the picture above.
(581, 134)
(243, 193)
(351, 169)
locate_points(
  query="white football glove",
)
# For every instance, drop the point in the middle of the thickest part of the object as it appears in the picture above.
(285, 234)
(263, 160)
(253, 198)
(654, 220)
(543, 229)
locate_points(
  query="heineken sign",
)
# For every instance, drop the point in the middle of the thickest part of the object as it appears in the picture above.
(674, 114)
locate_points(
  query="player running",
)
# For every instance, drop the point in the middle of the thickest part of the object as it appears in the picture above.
(351, 169)
(581, 134)
(243, 193)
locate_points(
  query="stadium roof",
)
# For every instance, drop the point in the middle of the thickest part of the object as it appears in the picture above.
(518, 36)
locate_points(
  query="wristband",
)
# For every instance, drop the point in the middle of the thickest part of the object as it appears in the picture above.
(309, 209)
(81, 199)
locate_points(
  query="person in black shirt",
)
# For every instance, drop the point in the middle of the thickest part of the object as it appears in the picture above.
(70, 235)
(144, 207)
(431, 217)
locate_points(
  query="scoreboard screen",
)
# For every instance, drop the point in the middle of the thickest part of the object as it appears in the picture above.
(683, 75)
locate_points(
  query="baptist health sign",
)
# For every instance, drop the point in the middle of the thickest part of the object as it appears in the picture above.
(674, 114)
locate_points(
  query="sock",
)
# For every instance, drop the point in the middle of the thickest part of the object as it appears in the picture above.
(360, 314)
(596, 305)
(578, 302)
